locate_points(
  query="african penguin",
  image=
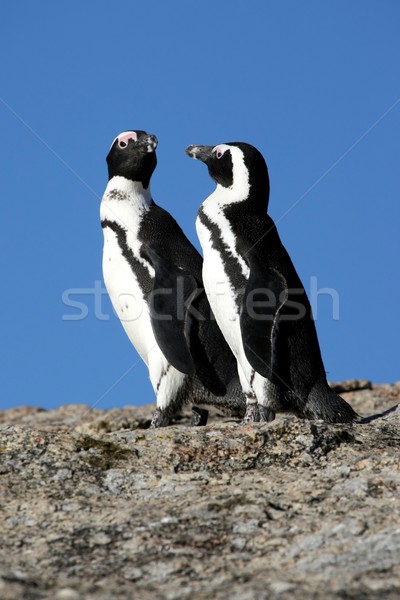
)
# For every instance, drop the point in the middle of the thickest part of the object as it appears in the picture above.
(153, 276)
(256, 295)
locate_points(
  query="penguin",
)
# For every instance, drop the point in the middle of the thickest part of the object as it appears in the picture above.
(153, 276)
(257, 297)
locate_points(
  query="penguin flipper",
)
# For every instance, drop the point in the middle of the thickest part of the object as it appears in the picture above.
(265, 294)
(169, 301)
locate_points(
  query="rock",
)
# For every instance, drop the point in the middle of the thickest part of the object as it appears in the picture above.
(351, 385)
(94, 505)
(66, 594)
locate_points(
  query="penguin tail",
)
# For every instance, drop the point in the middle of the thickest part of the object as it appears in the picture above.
(324, 403)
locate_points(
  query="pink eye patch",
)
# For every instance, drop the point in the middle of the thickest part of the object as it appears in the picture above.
(124, 138)
(218, 151)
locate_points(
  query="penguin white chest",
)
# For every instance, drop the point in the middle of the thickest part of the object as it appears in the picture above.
(127, 296)
(219, 288)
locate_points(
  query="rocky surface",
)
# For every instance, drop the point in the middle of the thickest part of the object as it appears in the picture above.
(93, 506)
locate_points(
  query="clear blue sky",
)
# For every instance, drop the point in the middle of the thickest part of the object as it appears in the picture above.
(312, 84)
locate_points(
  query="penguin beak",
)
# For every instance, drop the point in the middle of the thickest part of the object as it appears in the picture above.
(202, 153)
(151, 142)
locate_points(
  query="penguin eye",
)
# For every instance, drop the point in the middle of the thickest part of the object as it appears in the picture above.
(218, 152)
(125, 137)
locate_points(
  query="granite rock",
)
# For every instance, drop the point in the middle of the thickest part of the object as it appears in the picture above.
(94, 506)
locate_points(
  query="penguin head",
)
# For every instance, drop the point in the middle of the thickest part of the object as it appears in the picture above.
(132, 155)
(238, 167)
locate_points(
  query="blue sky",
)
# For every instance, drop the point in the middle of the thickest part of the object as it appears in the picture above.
(314, 85)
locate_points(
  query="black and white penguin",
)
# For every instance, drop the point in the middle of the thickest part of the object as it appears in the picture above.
(153, 276)
(256, 295)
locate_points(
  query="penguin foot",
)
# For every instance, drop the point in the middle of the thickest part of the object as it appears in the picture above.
(159, 419)
(252, 414)
(199, 416)
(266, 414)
